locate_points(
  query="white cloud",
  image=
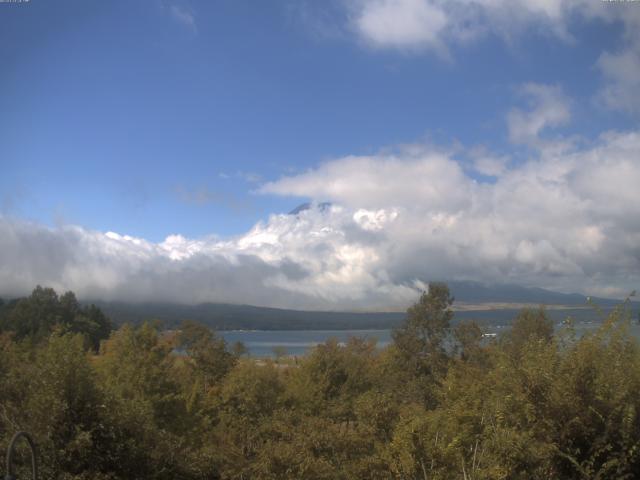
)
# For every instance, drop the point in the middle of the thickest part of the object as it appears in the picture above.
(567, 221)
(435, 24)
(548, 107)
(374, 220)
(622, 71)
(316, 259)
(439, 25)
(403, 24)
(488, 164)
(566, 218)
(621, 68)
(428, 177)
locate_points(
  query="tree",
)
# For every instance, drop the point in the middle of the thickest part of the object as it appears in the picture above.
(89, 321)
(94, 324)
(249, 395)
(207, 351)
(468, 337)
(420, 341)
(147, 406)
(531, 325)
(37, 315)
(51, 392)
(332, 376)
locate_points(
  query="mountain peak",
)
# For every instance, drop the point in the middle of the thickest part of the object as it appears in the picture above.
(322, 207)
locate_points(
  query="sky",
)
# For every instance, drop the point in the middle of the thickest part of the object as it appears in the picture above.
(153, 150)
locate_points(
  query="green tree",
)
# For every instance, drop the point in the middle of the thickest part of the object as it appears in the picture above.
(421, 341)
(249, 395)
(332, 376)
(206, 350)
(468, 339)
(531, 325)
(51, 392)
(37, 315)
(147, 406)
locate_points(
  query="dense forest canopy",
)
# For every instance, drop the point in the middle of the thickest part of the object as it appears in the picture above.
(37, 315)
(440, 402)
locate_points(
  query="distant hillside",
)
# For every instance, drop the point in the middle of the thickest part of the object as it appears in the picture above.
(245, 317)
(474, 292)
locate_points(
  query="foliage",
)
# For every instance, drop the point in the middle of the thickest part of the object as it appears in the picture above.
(420, 341)
(37, 315)
(438, 403)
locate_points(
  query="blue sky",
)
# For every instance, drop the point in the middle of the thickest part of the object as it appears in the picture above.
(159, 118)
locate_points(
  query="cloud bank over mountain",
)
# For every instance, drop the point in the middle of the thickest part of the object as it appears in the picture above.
(551, 209)
(565, 217)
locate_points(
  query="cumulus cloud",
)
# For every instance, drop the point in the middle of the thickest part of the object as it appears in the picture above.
(565, 218)
(486, 163)
(621, 68)
(568, 221)
(435, 24)
(548, 107)
(622, 71)
(421, 175)
(405, 24)
(315, 259)
(439, 25)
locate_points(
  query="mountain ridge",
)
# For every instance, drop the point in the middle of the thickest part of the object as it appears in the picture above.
(473, 301)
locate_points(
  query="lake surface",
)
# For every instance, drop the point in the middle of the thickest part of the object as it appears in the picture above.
(261, 343)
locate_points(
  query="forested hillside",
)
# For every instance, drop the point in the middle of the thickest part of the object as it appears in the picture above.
(440, 402)
(485, 304)
(246, 317)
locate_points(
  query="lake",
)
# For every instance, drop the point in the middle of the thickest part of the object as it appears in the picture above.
(260, 343)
